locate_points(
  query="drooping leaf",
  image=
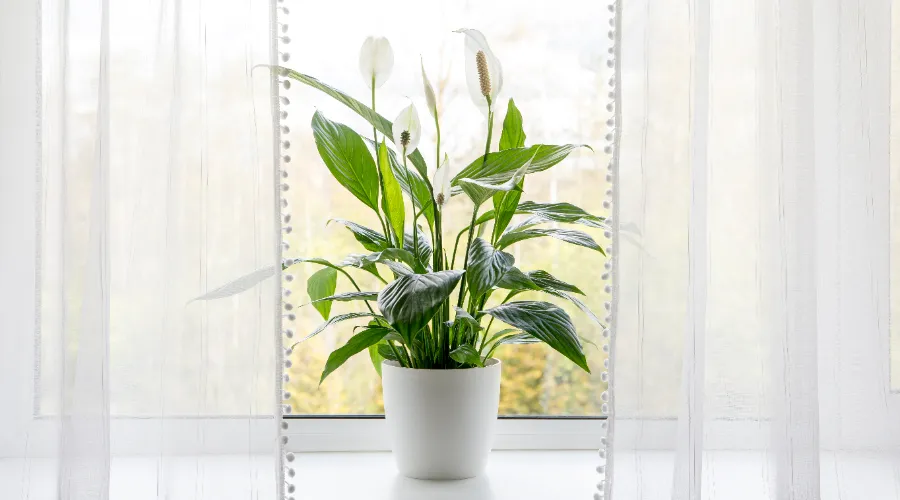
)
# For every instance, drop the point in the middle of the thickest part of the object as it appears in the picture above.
(519, 338)
(392, 203)
(467, 355)
(486, 267)
(347, 158)
(333, 320)
(370, 239)
(356, 344)
(514, 279)
(423, 248)
(239, 285)
(322, 284)
(561, 212)
(399, 260)
(479, 191)
(546, 322)
(513, 136)
(502, 165)
(501, 333)
(549, 212)
(322, 262)
(578, 303)
(348, 297)
(379, 122)
(572, 236)
(410, 302)
(544, 279)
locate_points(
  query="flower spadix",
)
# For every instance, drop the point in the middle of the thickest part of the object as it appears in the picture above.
(407, 129)
(484, 74)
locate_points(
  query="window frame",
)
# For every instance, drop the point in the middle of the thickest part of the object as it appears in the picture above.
(343, 433)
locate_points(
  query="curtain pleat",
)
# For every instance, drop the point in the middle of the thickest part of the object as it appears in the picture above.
(752, 354)
(157, 181)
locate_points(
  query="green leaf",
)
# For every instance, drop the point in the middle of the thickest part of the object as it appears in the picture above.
(379, 122)
(322, 284)
(355, 345)
(514, 279)
(513, 136)
(376, 358)
(579, 304)
(333, 320)
(392, 203)
(385, 352)
(347, 297)
(370, 239)
(467, 355)
(502, 165)
(241, 284)
(505, 205)
(546, 322)
(413, 185)
(424, 249)
(487, 266)
(562, 212)
(397, 259)
(519, 338)
(464, 318)
(347, 157)
(410, 302)
(479, 191)
(546, 280)
(501, 333)
(572, 236)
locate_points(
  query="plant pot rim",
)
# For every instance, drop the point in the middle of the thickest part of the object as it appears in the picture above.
(490, 363)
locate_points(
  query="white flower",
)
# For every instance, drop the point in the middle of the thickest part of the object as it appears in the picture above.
(429, 91)
(407, 130)
(481, 82)
(441, 183)
(376, 60)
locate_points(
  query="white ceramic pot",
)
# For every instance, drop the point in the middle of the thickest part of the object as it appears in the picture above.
(441, 422)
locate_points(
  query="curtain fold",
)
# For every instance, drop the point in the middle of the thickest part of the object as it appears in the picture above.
(157, 181)
(752, 354)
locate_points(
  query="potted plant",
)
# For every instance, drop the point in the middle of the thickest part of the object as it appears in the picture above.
(433, 329)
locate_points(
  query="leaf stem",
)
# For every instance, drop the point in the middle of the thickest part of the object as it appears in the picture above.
(384, 227)
(487, 149)
(412, 195)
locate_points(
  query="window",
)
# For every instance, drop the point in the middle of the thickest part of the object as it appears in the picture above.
(554, 68)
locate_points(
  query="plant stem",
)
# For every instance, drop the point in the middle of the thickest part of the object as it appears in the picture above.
(487, 149)
(384, 227)
(462, 287)
(412, 195)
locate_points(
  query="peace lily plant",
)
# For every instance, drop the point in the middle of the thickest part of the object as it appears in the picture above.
(433, 312)
(434, 327)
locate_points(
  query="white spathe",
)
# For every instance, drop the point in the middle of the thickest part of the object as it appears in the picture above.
(441, 422)
(407, 121)
(475, 43)
(429, 92)
(376, 60)
(441, 183)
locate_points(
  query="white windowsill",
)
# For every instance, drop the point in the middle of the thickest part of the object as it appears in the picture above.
(511, 475)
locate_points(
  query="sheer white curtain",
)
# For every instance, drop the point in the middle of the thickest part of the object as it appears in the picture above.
(139, 171)
(751, 350)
